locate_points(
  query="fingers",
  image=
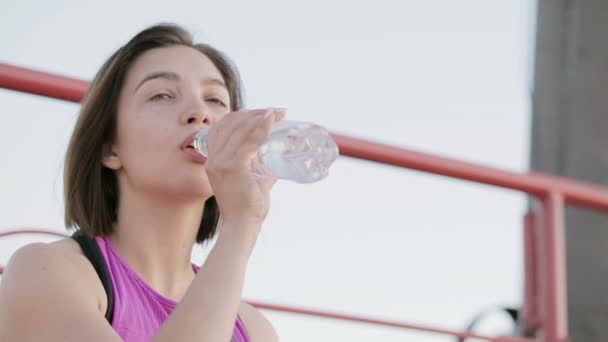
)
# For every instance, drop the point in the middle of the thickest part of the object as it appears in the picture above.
(251, 134)
(279, 114)
(223, 131)
(239, 135)
(250, 138)
(260, 134)
(268, 182)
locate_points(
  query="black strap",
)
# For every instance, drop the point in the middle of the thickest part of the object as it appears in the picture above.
(511, 312)
(91, 251)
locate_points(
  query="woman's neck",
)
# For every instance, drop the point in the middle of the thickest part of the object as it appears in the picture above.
(155, 236)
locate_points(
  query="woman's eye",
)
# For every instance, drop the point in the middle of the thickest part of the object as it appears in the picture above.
(161, 96)
(217, 101)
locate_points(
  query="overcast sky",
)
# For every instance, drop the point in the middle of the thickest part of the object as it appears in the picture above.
(446, 77)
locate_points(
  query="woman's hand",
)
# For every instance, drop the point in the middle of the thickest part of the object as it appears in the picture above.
(233, 143)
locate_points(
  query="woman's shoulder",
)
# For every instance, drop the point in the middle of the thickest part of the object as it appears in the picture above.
(40, 258)
(48, 292)
(63, 256)
(39, 270)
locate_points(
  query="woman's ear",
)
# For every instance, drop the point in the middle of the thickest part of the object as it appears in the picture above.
(111, 160)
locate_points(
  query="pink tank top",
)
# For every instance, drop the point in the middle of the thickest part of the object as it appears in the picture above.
(139, 310)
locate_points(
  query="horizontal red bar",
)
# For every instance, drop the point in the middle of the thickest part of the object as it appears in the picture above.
(578, 193)
(309, 312)
(41, 83)
(381, 322)
(31, 231)
(538, 184)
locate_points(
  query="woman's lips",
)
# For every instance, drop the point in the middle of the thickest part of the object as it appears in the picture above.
(193, 155)
(189, 141)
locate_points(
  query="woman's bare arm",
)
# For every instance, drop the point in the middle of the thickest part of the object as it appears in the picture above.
(208, 310)
(258, 327)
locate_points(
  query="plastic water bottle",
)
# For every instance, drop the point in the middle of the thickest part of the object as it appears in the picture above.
(298, 151)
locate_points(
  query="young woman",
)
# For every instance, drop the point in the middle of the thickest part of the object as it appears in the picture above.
(141, 197)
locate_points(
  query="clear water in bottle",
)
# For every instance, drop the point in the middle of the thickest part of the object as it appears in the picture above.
(298, 151)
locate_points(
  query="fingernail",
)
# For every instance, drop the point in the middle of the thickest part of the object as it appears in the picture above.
(268, 113)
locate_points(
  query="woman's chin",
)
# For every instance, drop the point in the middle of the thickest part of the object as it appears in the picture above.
(196, 189)
(182, 186)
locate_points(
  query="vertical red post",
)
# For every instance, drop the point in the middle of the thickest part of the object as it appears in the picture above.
(529, 321)
(552, 268)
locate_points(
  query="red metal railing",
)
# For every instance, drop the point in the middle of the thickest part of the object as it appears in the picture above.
(314, 313)
(544, 308)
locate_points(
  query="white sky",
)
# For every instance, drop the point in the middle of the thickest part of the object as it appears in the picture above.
(446, 77)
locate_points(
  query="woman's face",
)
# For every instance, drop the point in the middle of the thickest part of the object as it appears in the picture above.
(169, 94)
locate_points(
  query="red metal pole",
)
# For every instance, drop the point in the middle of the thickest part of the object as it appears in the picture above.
(554, 316)
(309, 312)
(529, 313)
(41, 83)
(316, 313)
(574, 192)
(35, 231)
(393, 324)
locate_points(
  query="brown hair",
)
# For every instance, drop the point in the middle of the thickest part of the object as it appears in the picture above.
(90, 189)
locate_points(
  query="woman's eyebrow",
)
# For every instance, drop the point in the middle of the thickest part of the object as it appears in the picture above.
(171, 76)
(214, 81)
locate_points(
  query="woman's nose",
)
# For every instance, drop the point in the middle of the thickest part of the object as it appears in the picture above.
(197, 115)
